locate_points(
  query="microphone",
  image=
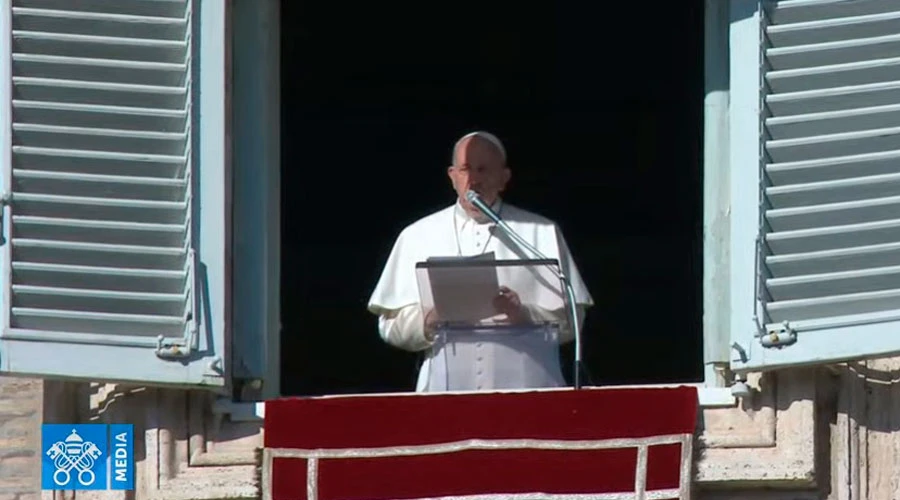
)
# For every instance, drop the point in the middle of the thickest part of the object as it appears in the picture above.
(476, 200)
(483, 207)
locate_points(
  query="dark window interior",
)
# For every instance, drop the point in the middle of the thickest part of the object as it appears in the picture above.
(601, 111)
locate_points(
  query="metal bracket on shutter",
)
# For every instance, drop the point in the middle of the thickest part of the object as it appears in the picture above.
(780, 337)
(172, 350)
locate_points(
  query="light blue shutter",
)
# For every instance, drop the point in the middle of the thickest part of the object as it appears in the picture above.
(826, 272)
(102, 276)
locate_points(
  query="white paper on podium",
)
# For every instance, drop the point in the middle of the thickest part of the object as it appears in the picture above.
(464, 295)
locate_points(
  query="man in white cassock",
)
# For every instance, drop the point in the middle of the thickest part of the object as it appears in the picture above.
(462, 230)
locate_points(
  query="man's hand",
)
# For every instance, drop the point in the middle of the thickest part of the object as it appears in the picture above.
(507, 302)
(431, 319)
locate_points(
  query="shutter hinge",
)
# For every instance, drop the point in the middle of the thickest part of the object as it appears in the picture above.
(779, 337)
(742, 353)
(5, 201)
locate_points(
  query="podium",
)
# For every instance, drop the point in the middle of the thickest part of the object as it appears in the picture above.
(477, 345)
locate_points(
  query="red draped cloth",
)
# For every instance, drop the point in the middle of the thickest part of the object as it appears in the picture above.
(559, 444)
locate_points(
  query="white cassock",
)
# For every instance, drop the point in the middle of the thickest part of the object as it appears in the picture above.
(451, 232)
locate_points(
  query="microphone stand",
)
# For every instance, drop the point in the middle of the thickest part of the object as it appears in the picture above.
(476, 200)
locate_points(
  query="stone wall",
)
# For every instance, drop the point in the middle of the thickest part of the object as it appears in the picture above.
(21, 405)
(185, 448)
(818, 433)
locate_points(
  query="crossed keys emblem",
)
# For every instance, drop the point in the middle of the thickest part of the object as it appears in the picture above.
(74, 453)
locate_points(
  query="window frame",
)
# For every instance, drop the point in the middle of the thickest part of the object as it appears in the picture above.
(713, 391)
(254, 113)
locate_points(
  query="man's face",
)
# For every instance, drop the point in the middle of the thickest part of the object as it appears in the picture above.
(480, 167)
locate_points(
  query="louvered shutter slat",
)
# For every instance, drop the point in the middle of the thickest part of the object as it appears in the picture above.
(800, 11)
(849, 213)
(845, 27)
(99, 24)
(814, 124)
(831, 226)
(97, 208)
(102, 70)
(92, 185)
(101, 181)
(837, 75)
(126, 141)
(839, 259)
(90, 322)
(98, 254)
(99, 47)
(813, 195)
(148, 8)
(101, 93)
(113, 117)
(125, 302)
(830, 53)
(832, 145)
(867, 164)
(834, 99)
(125, 279)
(115, 232)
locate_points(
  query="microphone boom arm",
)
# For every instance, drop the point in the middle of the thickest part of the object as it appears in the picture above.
(476, 200)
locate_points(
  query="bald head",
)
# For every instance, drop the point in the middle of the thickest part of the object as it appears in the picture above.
(479, 164)
(484, 139)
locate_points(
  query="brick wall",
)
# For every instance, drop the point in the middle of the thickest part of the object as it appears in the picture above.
(21, 404)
